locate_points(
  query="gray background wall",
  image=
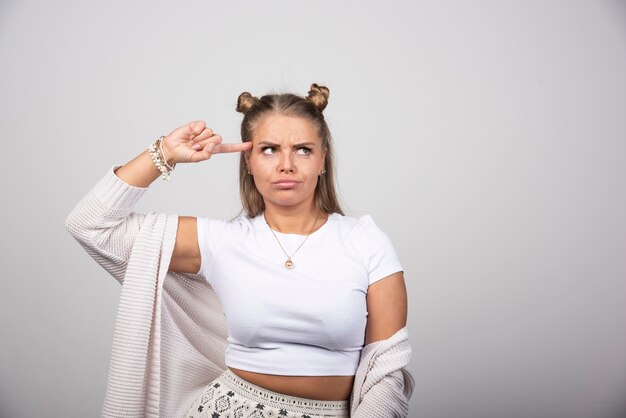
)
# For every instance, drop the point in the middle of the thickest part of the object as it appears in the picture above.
(487, 138)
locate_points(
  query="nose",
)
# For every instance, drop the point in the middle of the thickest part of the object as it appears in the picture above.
(287, 163)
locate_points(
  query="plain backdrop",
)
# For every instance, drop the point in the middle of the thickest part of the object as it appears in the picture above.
(487, 138)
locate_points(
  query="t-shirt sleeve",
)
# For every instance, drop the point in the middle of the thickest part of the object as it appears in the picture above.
(210, 232)
(381, 257)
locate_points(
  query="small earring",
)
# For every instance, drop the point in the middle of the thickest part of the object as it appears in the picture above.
(249, 172)
(323, 172)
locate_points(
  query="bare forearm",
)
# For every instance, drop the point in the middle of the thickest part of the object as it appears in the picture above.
(140, 171)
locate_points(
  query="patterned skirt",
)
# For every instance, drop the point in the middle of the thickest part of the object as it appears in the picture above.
(230, 396)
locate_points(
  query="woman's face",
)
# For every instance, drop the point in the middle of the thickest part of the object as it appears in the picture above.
(286, 160)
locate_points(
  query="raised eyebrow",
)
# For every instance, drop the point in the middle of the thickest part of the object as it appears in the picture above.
(303, 144)
(271, 144)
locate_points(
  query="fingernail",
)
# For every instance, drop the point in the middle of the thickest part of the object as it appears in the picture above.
(210, 147)
(196, 146)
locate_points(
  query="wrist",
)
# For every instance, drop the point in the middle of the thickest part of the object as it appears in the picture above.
(169, 157)
(168, 154)
(158, 156)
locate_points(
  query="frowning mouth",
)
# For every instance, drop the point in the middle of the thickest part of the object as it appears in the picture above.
(285, 183)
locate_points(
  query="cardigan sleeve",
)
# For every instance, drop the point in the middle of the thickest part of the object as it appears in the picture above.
(389, 397)
(383, 384)
(104, 224)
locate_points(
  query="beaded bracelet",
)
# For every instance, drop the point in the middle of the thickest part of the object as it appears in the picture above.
(158, 157)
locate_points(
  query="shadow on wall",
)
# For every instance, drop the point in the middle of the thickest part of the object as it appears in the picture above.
(615, 11)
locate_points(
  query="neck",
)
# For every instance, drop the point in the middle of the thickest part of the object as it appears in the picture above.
(290, 220)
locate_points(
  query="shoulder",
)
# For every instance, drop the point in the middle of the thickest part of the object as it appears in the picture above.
(242, 223)
(357, 227)
(242, 220)
(372, 245)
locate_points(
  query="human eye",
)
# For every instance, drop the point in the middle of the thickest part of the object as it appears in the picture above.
(268, 150)
(304, 150)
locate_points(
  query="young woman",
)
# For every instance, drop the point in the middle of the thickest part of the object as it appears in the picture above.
(303, 287)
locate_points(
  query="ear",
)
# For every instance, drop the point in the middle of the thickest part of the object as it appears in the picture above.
(324, 152)
(246, 157)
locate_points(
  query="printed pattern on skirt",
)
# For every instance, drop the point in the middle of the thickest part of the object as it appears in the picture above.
(230, 396)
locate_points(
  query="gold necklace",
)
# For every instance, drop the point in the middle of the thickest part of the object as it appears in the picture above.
(289, 263)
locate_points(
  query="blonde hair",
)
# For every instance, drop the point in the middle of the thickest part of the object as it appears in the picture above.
(287, 104)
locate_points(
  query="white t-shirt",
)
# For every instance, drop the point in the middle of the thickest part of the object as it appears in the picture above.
(308, 320)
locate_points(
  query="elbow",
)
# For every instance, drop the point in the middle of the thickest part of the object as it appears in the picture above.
(71, 225)
(77, 225)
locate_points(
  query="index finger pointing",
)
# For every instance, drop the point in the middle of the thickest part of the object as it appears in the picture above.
(240, 147)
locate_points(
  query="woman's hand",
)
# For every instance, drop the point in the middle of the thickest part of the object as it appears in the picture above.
(194, 142)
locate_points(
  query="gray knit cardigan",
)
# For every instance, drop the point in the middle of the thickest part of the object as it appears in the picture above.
(170, 332)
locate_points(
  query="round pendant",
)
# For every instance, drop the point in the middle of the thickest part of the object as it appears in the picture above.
(288, 263)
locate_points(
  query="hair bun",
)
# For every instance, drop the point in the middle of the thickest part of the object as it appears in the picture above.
(319, 96)
(246, 101)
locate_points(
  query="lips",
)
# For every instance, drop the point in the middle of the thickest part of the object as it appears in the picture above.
(286, 183)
